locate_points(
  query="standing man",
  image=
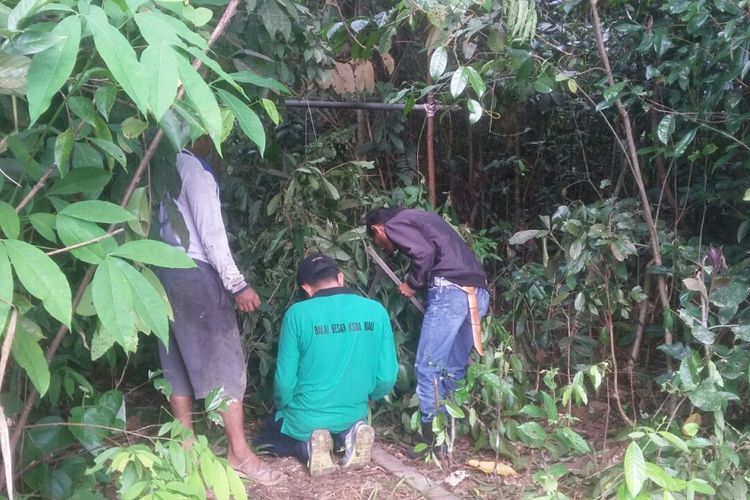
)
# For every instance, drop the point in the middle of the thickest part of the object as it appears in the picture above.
(443, 263)
(205, 351)
(336, 352)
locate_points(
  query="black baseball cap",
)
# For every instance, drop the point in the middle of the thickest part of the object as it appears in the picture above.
(312, 265)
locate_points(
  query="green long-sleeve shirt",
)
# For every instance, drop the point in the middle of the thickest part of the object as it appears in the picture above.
(336, 351)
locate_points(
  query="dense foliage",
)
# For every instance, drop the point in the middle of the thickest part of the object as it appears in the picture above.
(594, 156)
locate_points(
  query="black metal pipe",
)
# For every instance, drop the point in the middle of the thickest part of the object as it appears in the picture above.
(303, 103)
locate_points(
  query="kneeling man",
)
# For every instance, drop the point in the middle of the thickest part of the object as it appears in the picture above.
(336, 352)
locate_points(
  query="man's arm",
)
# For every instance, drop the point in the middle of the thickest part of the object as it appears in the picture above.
(387, 368)
(412, 242)
(285, 379)
(202, 196)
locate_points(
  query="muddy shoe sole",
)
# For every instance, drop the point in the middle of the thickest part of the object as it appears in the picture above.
(321, 445)
(363, 441)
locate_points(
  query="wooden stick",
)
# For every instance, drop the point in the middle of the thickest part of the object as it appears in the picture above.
(389, 272)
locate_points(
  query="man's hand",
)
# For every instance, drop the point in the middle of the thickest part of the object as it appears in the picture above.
(248, 300)
(405, 290)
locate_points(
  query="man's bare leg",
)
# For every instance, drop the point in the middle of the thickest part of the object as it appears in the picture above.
(182, 408)
(239, 453)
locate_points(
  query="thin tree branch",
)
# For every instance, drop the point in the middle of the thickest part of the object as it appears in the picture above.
(86, 243)
(39, 185)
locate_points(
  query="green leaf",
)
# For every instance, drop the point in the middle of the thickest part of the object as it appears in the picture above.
(236, 487)
(112, 150)
(475, 111)
(82, 180)
(148, 304)
(50, 69)
(274, 19)
(533, 431)
(155, 253)
(97, 211)
(438, 63)
(157, 27)
(550, 408)
(675, 441)
(104, 99)
(9, 222)
(454, 410)
(663, 479)
(701, 486)
(532, 411)
(6, 288)
(202, 99)
(133, 127)
(248, 76)
(731, 295)
(63, 148)
(83, 108)
(573, 440)
(248, 120)
(522, 237)
(113, 301)
(665, 129)
(476, 81)
(458, 81)
(30, 357)
(271, 110)
(42, 278)
(73, 231)
(44, 224)
(23, 10)
(703, 335)
(120, 58)
(161, 67)
(635, 469)
(681, 146)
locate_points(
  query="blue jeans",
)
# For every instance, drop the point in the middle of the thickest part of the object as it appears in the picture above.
(444, 344)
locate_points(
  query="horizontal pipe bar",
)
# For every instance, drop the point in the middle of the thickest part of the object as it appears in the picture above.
(303, 103)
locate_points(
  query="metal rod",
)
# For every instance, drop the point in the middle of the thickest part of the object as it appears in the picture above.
(375, 106)
(389, 272)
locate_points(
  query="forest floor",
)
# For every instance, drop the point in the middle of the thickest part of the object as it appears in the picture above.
(455, 478)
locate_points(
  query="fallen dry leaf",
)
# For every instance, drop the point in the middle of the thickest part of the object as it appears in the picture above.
(489, 467)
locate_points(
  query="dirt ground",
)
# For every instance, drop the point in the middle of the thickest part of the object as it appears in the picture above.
(463, 481)
(374, 482)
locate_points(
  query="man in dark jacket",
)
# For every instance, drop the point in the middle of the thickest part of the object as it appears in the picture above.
(443, 263)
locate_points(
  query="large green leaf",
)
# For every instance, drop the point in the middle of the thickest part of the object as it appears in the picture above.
(458, 81)
(30, 357)
(249, 121)
(82, 180)
(112, 150)
(158, 27)
(665, 129)
(155, 253)
(44, 224)
(120, 58)
(73, 231)
(635, 469)
(161, 67)
(202, 100)
(113, 301)
(42, 278)
(9, 222)
(247, 76)
(97, 211)
(438, 62)
(50, 68)
(6, 288)
(148, 304)
(23, 10)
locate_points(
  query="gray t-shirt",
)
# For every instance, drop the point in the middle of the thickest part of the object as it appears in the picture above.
(200, 207)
